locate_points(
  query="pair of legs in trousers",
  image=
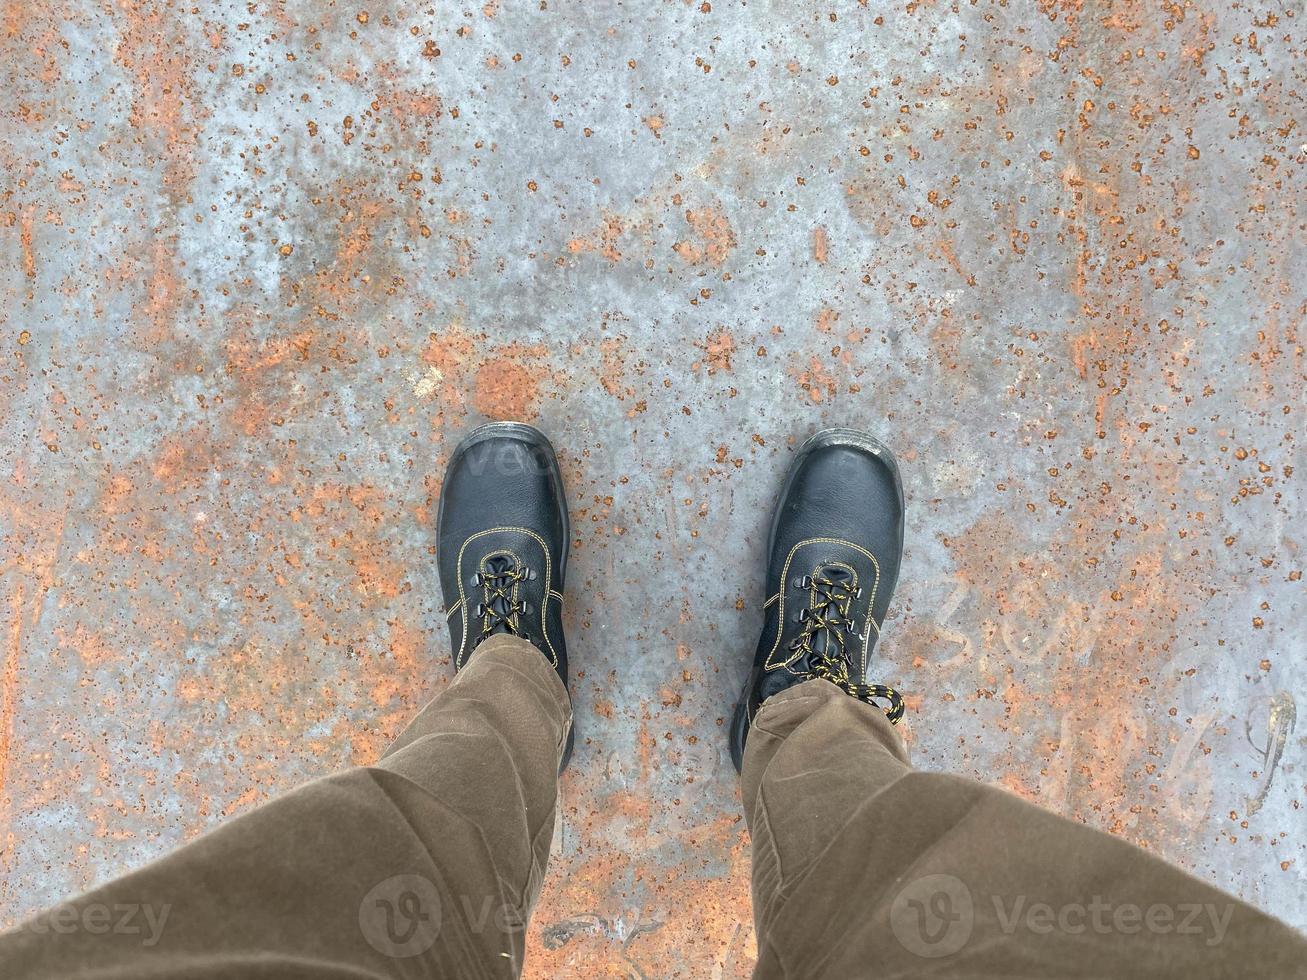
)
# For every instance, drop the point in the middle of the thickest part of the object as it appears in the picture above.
(428, 863)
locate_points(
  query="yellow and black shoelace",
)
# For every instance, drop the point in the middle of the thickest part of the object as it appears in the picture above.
(827, 622)
(498, 610)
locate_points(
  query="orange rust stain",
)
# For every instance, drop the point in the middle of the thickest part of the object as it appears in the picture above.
(502, 381)
(163, 288)
(244, 801)
(391, 678)
(946, 247)
(245, 356)
(25, 237)
(712, 237)
(1049, 605)
(90, 646)
(719, 348)
(42, 44)
(946, 340)
(505, 389)
(633, 833)
(9, 686)
(15, 17)
(1081, 344)
(450, 350)
(359, 270)
(817, 380)
(713, 942)
(612, 355)
(608, 233)
(378, 576)
(163, 86)
(820, 245)
(608, 236)
(412, 104)
(826, 320)
(264, 370)
(356, 232)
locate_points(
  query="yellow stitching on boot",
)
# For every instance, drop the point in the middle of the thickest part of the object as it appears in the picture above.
(785, 575)
(462, 597)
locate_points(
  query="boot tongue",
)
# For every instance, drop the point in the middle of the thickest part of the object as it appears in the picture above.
(837, 573)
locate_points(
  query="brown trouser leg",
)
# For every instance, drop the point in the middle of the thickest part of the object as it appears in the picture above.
(428, 863)
(863, 867)
(424, 865)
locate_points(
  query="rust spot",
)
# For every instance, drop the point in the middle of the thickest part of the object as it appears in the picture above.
(712, 239)
(25, 238)
(504, 389)
(612, 354)
(719, 347)
(816, 380)
(820, 245)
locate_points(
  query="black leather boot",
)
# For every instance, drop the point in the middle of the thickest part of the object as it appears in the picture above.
(832, 563)
(502, 535)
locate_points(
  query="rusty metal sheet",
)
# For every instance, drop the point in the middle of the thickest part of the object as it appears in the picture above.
(261, 264)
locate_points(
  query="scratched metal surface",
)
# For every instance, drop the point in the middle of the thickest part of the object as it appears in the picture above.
(262, 265)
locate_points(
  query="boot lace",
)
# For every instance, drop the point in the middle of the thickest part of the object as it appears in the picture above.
(827, 628)
(498, 610)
